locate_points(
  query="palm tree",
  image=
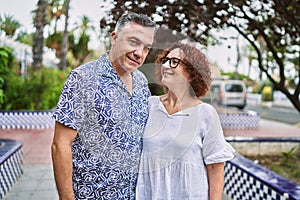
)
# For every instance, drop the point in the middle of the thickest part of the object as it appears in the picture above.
(65, 44)
(55, 9)
(85, 25)
(25, 37)
(38, 38)
(80, 50)
(9, 25)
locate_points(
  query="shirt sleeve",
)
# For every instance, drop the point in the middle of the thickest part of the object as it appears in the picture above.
(70, 109)
(215, 147)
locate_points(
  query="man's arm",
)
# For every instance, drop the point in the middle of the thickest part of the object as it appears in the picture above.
(62, 160)
(215, 174)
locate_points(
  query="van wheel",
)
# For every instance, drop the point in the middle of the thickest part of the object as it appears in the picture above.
(241, 107)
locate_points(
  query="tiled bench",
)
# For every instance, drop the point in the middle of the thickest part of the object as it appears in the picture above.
(11, 164)
(247, 180)
(43, 119)
(239, 120)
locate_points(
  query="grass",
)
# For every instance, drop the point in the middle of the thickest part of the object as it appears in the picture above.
(286, 164)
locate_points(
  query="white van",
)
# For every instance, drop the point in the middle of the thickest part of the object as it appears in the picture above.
(228, 93)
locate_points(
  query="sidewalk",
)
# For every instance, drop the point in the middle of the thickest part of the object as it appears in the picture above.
(266, 129)
(37, 181)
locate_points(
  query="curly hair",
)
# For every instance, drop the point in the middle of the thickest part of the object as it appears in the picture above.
(197, 67)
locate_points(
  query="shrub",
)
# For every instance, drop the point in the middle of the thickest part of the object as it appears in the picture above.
(267, 94)
(39, 90)
(6, 62)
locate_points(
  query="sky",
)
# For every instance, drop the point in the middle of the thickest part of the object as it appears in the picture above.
(21, 11)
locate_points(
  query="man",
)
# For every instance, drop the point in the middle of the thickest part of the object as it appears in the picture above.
(100, 118)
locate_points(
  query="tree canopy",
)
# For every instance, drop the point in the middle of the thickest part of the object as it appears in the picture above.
(271, 27)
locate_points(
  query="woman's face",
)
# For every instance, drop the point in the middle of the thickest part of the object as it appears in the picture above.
(172, 77)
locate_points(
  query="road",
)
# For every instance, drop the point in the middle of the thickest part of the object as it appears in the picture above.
(288, 115)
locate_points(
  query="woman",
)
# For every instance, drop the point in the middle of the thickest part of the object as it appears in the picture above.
(184, 149)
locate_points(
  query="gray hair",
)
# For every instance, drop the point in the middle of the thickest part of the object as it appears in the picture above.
(140, 19)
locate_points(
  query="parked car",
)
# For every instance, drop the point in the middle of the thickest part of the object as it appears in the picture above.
(228, 93)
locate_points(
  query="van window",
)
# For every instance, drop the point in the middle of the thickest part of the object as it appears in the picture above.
(233, 88)
(215, 88)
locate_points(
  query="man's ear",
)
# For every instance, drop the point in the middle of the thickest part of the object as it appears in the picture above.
(113, 37)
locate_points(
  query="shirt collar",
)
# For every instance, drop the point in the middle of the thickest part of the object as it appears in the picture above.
(185, 112)
(106, 70)
(105, 67)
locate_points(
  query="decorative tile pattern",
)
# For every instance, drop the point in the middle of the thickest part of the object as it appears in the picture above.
(26, 120)
(243, 178)
(40, 120)
(247, 180)
(240, 120)
(11, 164)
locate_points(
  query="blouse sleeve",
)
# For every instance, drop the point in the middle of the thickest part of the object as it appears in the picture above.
(69, 110)
(215, 147)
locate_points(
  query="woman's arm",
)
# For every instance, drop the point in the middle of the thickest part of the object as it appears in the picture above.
(215, 174)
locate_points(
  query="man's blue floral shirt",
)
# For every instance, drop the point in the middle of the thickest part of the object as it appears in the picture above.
(110, 123)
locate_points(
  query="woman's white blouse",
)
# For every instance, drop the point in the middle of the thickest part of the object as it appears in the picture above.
(175, 150)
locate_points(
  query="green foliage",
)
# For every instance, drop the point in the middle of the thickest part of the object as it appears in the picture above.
(258, 88)
(77, 46)
(54, 80)
(231, 75)
(9, 25)
(289, 157)
(54, 41)
(292, 83)
(286, 164)
(1, 96)
(267, 94)
(40, 90)
(80, 50)
(6, 60)
(25, 38)
(270, 27)
(54, 38)
(289, 154)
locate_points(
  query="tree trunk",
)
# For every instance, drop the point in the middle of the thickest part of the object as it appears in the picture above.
(38, 38)
(65, 43)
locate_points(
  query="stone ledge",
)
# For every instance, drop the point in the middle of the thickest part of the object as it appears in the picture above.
(262, 146)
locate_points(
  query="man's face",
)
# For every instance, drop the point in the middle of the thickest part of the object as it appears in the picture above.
(130, 46)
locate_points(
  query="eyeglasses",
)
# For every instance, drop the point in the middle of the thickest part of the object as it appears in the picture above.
(173, 62)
